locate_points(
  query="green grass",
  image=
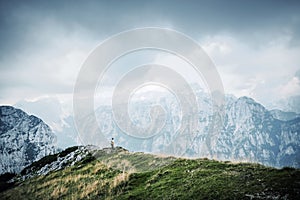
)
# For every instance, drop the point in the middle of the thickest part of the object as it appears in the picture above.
(203, 179)
(124, 175)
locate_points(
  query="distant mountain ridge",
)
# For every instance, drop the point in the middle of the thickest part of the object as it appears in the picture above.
(284, 116)
(23, 139)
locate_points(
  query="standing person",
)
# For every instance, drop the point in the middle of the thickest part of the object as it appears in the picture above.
(112, 143)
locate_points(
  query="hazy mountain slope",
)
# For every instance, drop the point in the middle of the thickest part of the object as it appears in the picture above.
(23, 139)
(119, 174)
(288, 104)
(56, 115)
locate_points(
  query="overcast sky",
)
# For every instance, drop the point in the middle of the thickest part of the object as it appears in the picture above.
(255, 45)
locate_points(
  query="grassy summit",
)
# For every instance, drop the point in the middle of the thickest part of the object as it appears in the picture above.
(119, 174)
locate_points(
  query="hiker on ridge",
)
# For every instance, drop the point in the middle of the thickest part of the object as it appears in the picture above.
(112, 143)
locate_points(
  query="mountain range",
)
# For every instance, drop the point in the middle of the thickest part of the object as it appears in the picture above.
(250, 132)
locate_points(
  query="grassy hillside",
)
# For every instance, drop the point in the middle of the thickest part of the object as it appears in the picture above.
(122, 175)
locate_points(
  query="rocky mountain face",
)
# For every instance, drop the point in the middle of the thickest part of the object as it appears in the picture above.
(23, 139)
(251, 133)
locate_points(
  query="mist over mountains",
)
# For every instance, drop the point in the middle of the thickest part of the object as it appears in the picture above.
(250, 131)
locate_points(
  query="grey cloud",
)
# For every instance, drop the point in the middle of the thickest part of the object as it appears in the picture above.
(36, 31)
(193, 17)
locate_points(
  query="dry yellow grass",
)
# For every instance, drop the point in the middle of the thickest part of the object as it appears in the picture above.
(89, 189)
(58, 191)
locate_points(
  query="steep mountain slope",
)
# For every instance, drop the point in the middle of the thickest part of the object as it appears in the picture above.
(23, 139)
(118, 174)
